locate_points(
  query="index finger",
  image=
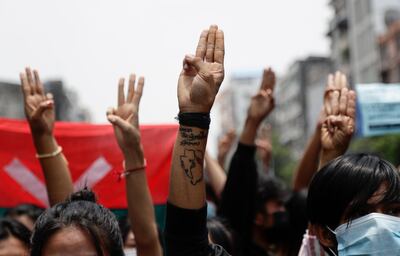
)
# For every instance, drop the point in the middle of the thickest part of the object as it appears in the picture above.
(219, 52)
(201, 46)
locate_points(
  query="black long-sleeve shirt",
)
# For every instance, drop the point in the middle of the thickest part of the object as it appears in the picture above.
(238, 200)
(186, 233)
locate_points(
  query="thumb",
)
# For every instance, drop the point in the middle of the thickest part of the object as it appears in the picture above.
(43, 106)
(118, 121)
(195, 62)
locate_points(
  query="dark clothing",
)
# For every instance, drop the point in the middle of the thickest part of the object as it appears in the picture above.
(186, 233)
(238, 200)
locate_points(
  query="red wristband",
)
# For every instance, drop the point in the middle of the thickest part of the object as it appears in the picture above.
(123, 174)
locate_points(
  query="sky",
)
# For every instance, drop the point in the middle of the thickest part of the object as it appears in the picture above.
(89, 44)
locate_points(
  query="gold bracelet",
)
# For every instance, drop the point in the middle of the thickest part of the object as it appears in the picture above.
(49, 155)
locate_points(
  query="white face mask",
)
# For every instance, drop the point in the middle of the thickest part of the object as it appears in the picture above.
(130, 252)
(311, 246)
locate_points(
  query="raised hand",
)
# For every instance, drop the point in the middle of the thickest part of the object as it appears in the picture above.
(125, 118)
(260, 106)
(39, 111)
(39, 107)
(263, 102)
(203, 73)
(339, 124)
(338, 128)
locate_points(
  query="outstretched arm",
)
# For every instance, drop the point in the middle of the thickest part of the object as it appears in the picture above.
(197, 87)
(125, 121)
(309, 163)
(238, 198)
(39, 111)
(199, 82)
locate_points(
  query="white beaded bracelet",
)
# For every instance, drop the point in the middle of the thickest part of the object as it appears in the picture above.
(53, 154)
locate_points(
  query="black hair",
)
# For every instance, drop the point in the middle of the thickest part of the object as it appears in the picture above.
(82, 211)
(221, 233)
(341, 189)
(10, 227)
(296, 207)
(269, 188)
(31, 210)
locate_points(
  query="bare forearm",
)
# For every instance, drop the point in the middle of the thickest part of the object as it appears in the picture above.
(55, 169)
(216, 175)
(309, 163)
(140, 206)
(187, 187)
(328, 155)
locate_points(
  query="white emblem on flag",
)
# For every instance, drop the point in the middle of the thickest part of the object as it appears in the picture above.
(28, 181)
(96, 172)
(24, 177)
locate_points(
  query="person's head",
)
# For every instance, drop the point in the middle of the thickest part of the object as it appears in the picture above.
(128, 237)
(220, 233)
(271, 216)
(348, 188)
(27, 214)
(78, 225)
(14, 237)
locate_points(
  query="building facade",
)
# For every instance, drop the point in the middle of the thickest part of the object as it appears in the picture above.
(354, 31)
(299, 97)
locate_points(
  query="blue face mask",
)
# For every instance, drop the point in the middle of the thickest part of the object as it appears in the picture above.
(372, 234)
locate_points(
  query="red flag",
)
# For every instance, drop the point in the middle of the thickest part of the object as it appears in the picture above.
(93, 156)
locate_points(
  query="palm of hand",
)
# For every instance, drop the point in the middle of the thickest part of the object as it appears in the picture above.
(260, 107)
(131, 136)
(337, 136)
(197, 90)
(44, 122)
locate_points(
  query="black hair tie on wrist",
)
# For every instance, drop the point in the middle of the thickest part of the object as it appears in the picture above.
(199, 120)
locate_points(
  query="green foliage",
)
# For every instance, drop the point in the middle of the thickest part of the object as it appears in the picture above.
(387, 147)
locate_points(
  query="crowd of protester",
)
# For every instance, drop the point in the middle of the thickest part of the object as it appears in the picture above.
(338, 204)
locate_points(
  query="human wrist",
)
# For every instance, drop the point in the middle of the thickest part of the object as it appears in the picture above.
(329, 154)
(134, 155)
(200, 120)
(249, 132)
(45, 143)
